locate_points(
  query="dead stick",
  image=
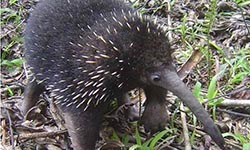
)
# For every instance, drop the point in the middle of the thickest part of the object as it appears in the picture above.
(40, 134)
(235, 102)
(185, 129)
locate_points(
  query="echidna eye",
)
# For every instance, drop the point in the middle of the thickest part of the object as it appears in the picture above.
(155, 78)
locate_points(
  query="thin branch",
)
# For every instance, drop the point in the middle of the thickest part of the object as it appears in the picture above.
(10, 128)
(235, 102)
(185, 128)
(40, 134)
(233, 113)
(192, 61)
(227, 94)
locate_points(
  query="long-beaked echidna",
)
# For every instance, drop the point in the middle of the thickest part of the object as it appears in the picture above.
(87, 52)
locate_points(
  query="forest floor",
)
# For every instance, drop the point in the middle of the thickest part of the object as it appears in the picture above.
(212, 52)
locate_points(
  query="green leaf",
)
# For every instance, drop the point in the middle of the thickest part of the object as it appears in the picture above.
(137, 137)
(218, 101)
(236, 136)
(146, 144)
(244, 3)
(125, 139)
(11, 2)
(246, 146)
(197, 89)
(217, 47)
(115, 136)
(157, 138)
(5, 10)
(241, 137)
(11, 63)
(135, 147)
(212, 88)
(10, 92)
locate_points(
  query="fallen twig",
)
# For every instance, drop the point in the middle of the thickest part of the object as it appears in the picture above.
(233, 113)
(40, 134)
(192, 61)
(235, 102)
(185, 128)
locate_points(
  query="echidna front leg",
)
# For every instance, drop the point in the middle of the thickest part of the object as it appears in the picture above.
(31, 95)
(155, 114)
(83, 126)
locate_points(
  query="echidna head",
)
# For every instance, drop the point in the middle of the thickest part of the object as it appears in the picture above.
(138, 46)
(145, 55)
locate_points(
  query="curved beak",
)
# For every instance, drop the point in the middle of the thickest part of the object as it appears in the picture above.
(171, 81)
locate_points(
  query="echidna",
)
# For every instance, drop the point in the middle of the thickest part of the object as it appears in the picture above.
(87, 52)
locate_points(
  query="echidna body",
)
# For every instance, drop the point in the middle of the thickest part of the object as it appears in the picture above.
(84, 55)
(87, 52)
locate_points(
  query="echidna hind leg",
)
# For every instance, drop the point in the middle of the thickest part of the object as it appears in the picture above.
(31, 95)
(83, 126)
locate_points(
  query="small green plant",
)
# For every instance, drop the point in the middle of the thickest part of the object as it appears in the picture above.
(242, 2)
(8, 14)
(245, 140)
(12, 64)
(11, 2)
(10, 92)
(13, 37)
(197, 90)
(239, 65)
(152, 143)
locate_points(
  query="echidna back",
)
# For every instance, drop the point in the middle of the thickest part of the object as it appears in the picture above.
(91, 50)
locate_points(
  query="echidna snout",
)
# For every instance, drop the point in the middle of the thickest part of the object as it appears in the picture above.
(88, 52)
